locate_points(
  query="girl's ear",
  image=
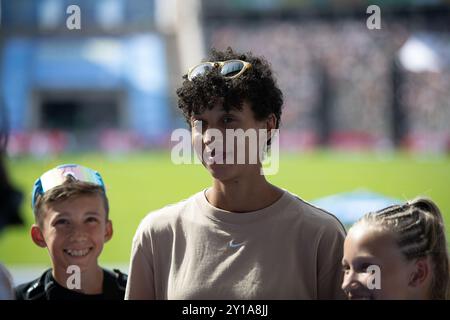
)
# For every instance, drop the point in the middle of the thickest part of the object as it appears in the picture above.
(421, 272)
(108, 230)
(36, 235)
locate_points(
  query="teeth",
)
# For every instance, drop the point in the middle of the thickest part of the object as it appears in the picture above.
(78, 253)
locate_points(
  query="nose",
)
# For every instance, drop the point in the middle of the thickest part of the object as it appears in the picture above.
(201, 132)
(78, 234)
(350, 281)
(212, 135)
(207, 137)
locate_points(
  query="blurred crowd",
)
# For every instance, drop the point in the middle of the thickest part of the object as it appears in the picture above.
(341, 73)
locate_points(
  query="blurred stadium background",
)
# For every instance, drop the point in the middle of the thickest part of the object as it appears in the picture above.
(366, 112)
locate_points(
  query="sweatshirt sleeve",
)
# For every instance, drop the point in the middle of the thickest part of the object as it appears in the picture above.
(141, 283)
(329, 255)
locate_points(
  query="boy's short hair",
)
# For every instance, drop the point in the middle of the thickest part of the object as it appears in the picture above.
(256, 85)
(70, 189)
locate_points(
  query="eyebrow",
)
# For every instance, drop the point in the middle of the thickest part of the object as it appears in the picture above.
(57, 215)
(233, 113)
(365, 259)
(362, 257)
(199, 116)
(94, 213)
(232, 110)
(67, 215)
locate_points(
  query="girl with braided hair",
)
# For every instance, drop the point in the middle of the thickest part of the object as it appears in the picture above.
(406, 245)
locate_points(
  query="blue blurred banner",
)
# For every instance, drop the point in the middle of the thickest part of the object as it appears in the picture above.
(135, 65)
(348, 207)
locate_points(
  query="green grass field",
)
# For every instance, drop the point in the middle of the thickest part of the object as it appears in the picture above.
(143, 182)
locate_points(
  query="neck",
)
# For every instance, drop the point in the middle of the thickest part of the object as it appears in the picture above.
(91, 280)
(243, 195)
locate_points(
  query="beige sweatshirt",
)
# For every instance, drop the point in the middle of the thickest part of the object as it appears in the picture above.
(192, 250)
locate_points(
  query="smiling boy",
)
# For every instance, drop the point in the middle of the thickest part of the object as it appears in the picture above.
(71, 211)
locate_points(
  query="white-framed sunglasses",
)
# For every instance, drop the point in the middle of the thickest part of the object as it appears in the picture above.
(57, 176)
(229, 69)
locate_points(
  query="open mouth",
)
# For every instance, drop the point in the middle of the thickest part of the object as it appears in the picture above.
(78, 253)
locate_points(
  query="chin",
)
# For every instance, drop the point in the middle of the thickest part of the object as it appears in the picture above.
(83, 265)
(222, 172)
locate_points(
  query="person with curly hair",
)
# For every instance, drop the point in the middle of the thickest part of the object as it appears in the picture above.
(242, 238)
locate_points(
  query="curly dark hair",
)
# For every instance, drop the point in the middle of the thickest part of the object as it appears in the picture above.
(256, 86)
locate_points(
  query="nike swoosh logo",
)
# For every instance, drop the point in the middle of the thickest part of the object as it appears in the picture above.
(235, 245)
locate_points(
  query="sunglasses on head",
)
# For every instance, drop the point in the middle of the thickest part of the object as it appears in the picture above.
(57, 176)
(229, 69)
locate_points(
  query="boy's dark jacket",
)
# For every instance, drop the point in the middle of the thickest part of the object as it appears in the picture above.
(46, 288)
